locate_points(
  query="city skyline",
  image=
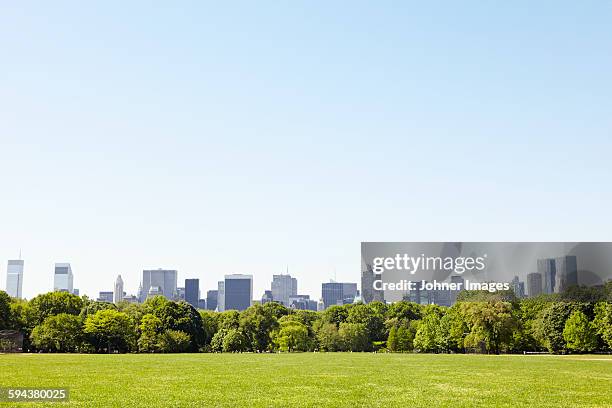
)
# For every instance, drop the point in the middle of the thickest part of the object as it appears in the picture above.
(216, 142)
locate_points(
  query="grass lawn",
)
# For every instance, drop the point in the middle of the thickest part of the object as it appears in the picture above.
(315, 380)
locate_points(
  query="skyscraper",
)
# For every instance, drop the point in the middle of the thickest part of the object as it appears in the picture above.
(159, 281)
(106, 297)
(283, 287)
(63, 278)
(546, 268)
(118, 293)
(518, 287)
(368, 293)
(221, 296)
(566, 273)
(238, 293)
(211, 299)
(534, 284)
(337, 293)
(14, 278)
(192, 292)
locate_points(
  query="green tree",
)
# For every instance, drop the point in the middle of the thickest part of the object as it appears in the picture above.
(603, 322)
(110, 330)
(174, 341)
(257, 323)
(335, 315)
(235, 341)
(354, 337)
(370, 318)
(90, 307)
(51, 304)
(550, 324)
(61, 333)
(292, 336)
(328, 337)
(490, 323)
(5, 311)
(392, 339)
(579, 333)
(151, 328)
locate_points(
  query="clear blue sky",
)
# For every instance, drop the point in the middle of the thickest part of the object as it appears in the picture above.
(245, 137)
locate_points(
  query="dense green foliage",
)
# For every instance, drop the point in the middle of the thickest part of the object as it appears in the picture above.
(391, 380)
(479, 322)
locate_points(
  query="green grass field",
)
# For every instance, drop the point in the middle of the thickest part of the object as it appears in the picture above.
(315, 380)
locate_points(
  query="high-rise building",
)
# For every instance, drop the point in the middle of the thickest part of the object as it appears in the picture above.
(192, 292)
(283, 286)
(63, 278)
(238, 292)
(368, 293)
(106, 297)
(14, 278)
(118, 293)
(302, 302)
(518, 287)
(337, 293)
(566, 268)
(546, 268)
(162, 281)
(211, 299)
(221, 296)
(534, 284)
(267, 297)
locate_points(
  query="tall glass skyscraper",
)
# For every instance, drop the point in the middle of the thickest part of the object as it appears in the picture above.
(14, 278)
(192, 292)
(238, 292)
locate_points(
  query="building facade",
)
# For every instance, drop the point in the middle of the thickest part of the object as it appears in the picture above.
(192, 292)
(159, 281)
(118, 292)
(14, 278)
(211, 299)
(63, 280)
(238, 292)
(534, 284)
(283, 287)
(106, 297)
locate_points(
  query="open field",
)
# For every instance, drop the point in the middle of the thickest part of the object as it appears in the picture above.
(315, 380)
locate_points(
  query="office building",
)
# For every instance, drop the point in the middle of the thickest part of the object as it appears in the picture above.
(63, 278)
(238, 292)
(302, 302)
(283, 286)
(159, 281)
(202, 304)
(118, 293)
(566, 268)
(518, 287)
(534, 284)
(267, 297)
(368, 293)
(106, 297)
(546, 268)
(337, 293)
(211, 299)
(192, 292)
(14, 278)
(221, 296)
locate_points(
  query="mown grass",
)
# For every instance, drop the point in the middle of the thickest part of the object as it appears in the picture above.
(315, 380)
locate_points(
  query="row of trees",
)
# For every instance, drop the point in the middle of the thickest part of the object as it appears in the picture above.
(580, 321)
